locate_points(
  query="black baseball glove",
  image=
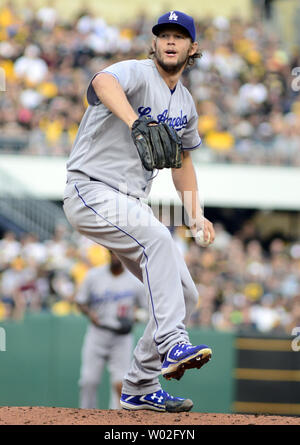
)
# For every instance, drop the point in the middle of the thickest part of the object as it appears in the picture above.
(158, 145)
(125, 326)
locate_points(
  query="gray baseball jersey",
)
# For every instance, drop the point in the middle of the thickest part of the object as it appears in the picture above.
(104, 149)
(111, 297)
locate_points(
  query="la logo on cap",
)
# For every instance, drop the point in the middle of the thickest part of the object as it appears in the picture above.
(173, 16)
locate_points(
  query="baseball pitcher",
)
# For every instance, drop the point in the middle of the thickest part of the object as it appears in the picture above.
(141, 119)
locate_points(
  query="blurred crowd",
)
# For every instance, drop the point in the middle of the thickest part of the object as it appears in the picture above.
(242, 285)
(246, 89)
(246, 85)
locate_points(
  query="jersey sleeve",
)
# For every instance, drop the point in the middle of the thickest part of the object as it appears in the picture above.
(127, 73)
(191, 138)
(91, 95)
(83, 292)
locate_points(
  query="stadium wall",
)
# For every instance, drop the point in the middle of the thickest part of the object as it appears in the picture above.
(267, 376)
(250, 373)
(41, 363)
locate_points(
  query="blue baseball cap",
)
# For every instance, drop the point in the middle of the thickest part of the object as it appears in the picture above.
(176, 18)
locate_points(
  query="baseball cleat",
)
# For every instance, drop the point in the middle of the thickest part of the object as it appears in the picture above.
(156, 401)
(184, 356)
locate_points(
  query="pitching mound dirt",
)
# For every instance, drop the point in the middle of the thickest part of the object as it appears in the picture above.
(70, 416)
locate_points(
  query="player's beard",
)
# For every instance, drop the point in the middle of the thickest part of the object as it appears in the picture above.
(170, 68)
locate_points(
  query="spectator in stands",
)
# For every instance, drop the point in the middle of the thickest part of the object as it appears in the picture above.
(30, 66)
(10, 248)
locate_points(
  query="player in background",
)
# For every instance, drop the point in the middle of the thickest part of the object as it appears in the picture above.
(106, 182)
(110, 297)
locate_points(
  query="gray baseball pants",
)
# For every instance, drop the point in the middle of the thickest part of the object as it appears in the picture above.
(127, 226)
(101, 347)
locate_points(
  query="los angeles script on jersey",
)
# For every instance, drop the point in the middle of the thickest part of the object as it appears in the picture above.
(178, 123)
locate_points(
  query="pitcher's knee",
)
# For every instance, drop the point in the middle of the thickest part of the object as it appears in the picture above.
(162, 237)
